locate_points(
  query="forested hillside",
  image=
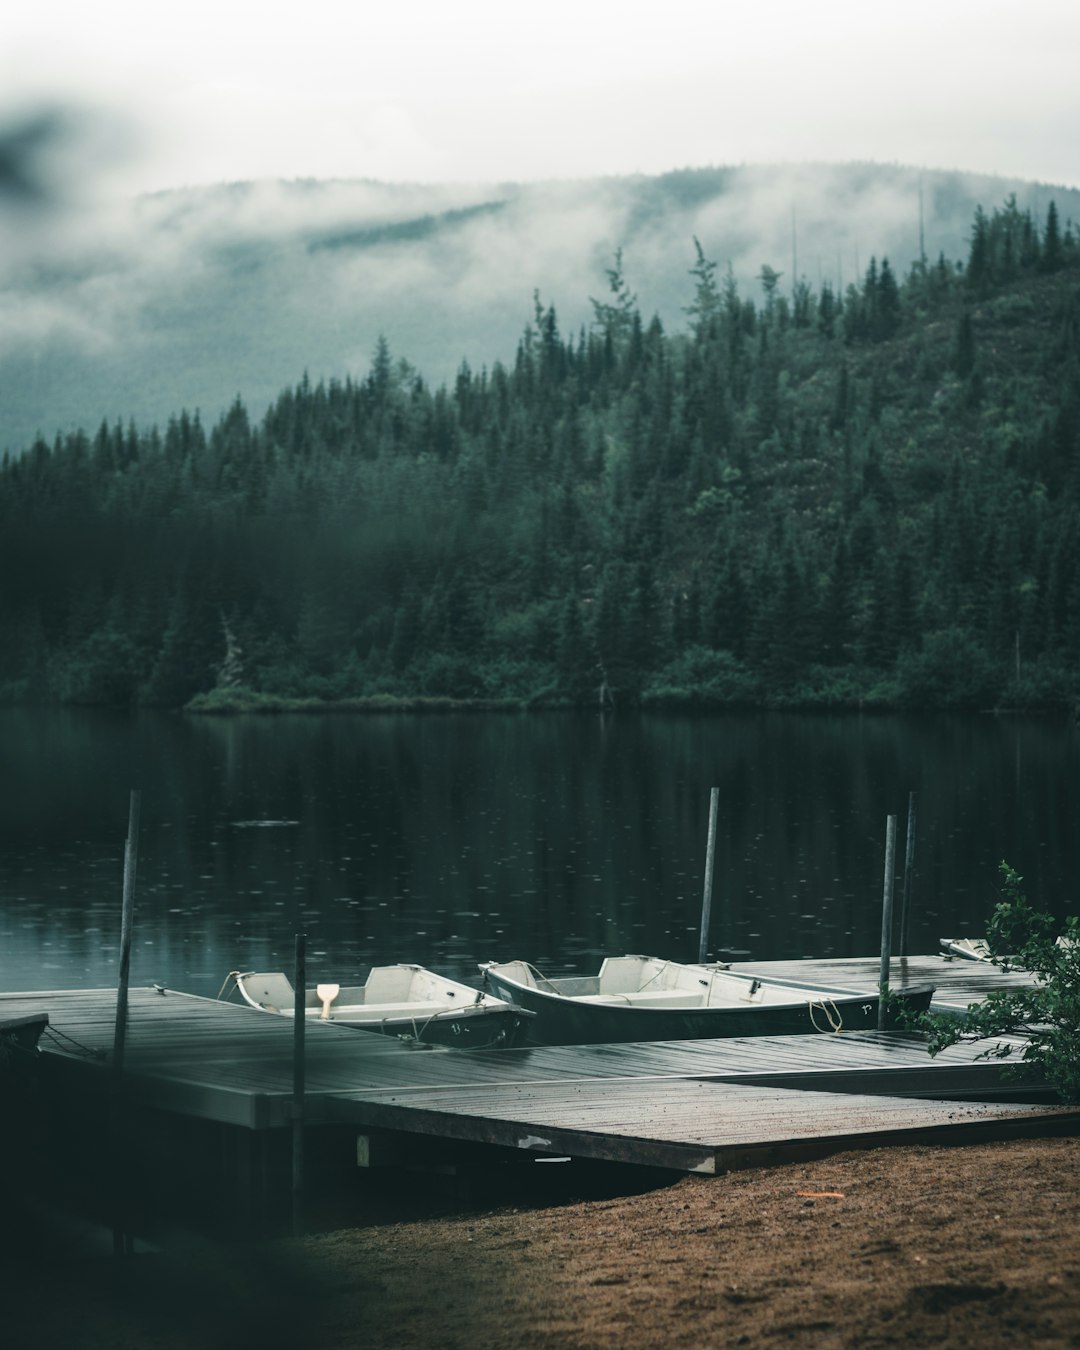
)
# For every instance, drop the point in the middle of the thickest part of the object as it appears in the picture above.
(188, 298)
(799, 498)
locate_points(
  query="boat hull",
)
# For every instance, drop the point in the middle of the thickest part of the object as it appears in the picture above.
(560, 1020)
(402, 1000)
(22, 1033)
(498, 1029)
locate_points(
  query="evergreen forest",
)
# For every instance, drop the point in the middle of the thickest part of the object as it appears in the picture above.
(803, 498)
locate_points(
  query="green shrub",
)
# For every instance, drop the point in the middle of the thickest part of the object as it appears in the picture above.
(951, 671)
(700, 676)
(1047, 1013)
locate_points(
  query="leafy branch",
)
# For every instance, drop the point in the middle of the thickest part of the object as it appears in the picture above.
(1046, 1014)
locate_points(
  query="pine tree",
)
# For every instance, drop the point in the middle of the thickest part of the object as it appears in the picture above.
(707, 307)
(1051, 248)
(827, 311)
(887, 312)
(614, 318)
(980, 263)
(963, 361)
(576, 668)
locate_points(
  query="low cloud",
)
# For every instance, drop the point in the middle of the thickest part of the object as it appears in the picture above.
(188, 298)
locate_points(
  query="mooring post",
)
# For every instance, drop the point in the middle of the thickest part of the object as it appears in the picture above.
(131, 854)
(121, 1237)
(909, 864)
(886, 920)
(710, 851)
(299, 1002)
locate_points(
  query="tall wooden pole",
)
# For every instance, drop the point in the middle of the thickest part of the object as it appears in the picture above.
(131, 855)
(299, 1022)
(886, 920)
(710, 852)
(121, 1234)
(909, 868)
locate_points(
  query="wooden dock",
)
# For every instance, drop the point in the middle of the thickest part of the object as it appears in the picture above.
(207, 1092)
(228, 1063)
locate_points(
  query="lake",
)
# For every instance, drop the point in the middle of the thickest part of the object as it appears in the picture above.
(454, 839)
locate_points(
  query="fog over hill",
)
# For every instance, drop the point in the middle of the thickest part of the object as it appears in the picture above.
(187, 299)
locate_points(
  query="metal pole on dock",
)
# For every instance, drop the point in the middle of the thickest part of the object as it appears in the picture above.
(299, 1001)
(909, 865)
(710, 851)
(122, 1244)
(886, 920)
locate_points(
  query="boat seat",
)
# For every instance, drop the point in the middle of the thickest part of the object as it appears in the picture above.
(378, 1011)
(386, 984)
(664, 998)
(621, 974)
(272, 990)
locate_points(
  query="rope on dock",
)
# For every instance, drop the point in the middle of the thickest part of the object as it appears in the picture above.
(73, 1046)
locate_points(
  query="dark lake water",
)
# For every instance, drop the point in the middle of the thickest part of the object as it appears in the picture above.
(450, 840)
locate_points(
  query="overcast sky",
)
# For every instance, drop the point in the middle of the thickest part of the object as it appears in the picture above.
(492, 90)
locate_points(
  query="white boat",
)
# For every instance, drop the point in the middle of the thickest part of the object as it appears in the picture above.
(401, 1000)
(645, 998)
(978, 949)
(971, 949)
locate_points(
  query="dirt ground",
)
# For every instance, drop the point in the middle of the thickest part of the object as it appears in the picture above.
(974, 1246)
